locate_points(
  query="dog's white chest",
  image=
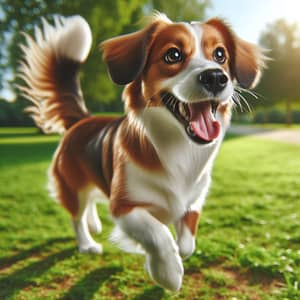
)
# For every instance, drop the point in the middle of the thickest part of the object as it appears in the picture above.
(184, 166)
(178, 186)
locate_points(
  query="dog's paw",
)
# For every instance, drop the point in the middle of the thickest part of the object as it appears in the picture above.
(93, 248)
(166, 270)
(186, 247)
(185, 242)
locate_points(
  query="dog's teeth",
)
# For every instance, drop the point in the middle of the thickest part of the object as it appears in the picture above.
(214, 107)
(183, 111)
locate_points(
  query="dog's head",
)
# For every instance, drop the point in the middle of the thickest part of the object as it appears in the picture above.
(188, 68)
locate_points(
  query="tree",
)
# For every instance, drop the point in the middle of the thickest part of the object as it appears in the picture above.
(181, 10)
(106, 18)
(281, 79)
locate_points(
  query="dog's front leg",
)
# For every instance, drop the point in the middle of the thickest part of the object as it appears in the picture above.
(162, 258)
(186, 227)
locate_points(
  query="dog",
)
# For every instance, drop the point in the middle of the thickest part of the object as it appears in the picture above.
(154, 163)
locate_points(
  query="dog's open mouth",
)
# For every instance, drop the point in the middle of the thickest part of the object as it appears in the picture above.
(199, 119)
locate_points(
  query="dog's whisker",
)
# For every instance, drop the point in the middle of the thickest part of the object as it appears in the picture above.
(244, 100)
(236, 100)
(242, 90)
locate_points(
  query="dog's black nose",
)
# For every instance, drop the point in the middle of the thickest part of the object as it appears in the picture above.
(213, 80)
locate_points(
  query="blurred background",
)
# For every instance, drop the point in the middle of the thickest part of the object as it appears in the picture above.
(272, 24)
(248, 245)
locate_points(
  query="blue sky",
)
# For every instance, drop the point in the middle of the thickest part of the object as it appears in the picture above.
(248, 18)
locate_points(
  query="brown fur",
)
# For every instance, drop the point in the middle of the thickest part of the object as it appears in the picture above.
(74, 166)
(191, 219)
(213, 38)
(72, 169)
(153, 69)
(246, 58)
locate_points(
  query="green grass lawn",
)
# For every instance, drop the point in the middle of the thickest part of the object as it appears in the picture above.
(248, 244)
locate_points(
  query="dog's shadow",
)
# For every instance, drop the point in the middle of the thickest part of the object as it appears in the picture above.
(154, 293)
(85, 288)
(7, 261)
(23, 278)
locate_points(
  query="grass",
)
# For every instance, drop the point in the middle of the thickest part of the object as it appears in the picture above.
(247, 244)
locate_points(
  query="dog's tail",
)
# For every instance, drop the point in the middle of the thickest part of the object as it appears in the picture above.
(50, 69)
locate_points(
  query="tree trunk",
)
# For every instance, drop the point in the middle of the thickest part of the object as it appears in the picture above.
(289, 117)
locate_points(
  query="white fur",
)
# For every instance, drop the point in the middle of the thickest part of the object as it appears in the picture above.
(185, 165)
(93, 220)
(87, 219)
(70, 37)
(163, 262)
(183, 184)
(124, 242)
(185, 239)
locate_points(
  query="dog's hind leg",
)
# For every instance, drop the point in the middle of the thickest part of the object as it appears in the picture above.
(86, 243)
(93, 219)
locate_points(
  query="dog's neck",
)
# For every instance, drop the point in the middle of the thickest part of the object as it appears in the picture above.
(176, 152)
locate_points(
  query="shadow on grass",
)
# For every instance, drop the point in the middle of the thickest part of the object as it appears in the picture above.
(20, 279)
(34, 251)
(154, 293)
(85, 288)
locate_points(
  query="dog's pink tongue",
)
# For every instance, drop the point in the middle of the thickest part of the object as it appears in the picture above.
(202, 121)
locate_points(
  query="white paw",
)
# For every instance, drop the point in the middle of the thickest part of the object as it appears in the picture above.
(186, 243)
(186, 247)
(166, 270)
(95, 227)
(93, 248)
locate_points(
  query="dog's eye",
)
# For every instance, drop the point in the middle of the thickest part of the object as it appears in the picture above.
(172, 56)
(219, 55)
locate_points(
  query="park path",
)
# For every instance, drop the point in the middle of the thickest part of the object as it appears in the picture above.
(283, 135)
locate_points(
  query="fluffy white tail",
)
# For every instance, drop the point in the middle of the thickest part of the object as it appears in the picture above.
(50, 69)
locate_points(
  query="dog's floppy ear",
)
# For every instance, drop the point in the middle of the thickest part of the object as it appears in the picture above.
(246, 59)
(248, 63)
(126, 55)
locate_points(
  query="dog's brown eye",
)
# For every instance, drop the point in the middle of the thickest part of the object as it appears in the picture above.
(172, 56)
(219, 55)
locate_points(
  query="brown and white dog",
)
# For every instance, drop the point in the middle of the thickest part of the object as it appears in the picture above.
(154, 163)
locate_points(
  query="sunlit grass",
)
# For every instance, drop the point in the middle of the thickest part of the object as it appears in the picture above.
(247, 246)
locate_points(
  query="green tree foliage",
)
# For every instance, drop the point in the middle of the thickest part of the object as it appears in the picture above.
(181, 10)
(107, 19)
(281, 79)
